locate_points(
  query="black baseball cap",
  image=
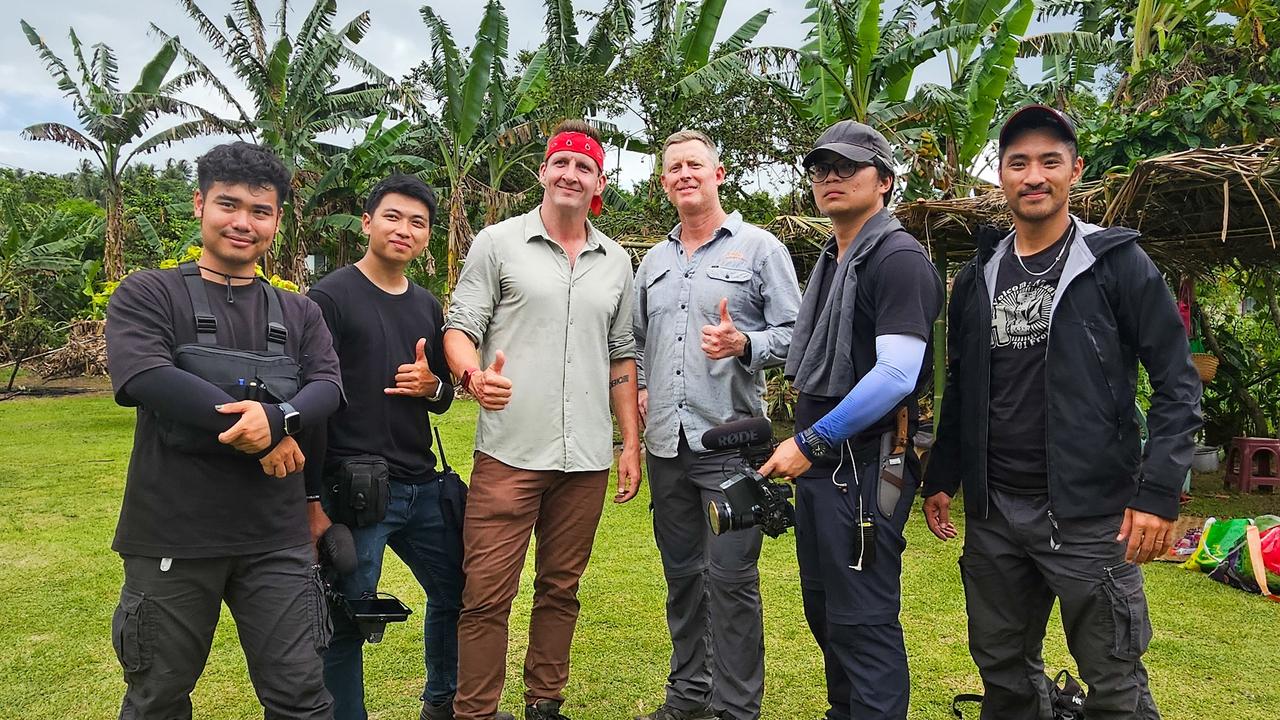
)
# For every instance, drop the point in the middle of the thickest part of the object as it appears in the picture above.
(1036, 116)
(855, 141)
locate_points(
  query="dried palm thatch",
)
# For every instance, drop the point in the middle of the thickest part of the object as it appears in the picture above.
(1196, 209)
(84, 354)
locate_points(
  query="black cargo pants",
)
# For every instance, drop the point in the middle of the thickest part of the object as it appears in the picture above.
(1012, 574)
(169, 607)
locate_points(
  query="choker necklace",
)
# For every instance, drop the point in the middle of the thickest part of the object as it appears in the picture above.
(1052, 265)
(228, 277)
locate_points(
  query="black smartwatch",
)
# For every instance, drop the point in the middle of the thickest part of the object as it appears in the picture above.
(813, 442)
(292, 418)
(746, 349)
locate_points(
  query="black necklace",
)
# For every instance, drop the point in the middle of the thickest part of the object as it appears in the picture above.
(228, 277)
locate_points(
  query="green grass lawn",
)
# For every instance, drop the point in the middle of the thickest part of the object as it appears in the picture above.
(1215, 652)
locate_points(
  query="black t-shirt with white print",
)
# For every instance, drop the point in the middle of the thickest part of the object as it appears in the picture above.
(1016, 453)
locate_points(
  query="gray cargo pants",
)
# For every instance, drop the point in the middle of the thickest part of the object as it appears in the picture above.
(713, 588)
(1012, 575)
(163, 629)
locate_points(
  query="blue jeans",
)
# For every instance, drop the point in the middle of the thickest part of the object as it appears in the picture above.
(431, 547)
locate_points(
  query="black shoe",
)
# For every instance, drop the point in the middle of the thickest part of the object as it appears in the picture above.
(503, 715)
(443, 711)
(666, 712)
(544, 710)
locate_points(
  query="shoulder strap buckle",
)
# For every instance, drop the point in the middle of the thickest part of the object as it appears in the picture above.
(277, 334)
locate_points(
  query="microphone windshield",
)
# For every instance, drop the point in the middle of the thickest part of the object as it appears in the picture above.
(339, 549)
(739, 433)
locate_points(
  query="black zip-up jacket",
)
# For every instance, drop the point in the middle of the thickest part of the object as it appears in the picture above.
(1111, 309)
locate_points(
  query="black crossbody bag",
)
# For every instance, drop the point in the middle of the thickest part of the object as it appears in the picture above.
(270, 376)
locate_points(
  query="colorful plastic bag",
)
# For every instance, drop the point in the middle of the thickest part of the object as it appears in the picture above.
(1220, 537)
(1269, 546)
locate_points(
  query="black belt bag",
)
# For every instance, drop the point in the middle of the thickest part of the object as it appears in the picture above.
(269, 377)
(360, 487)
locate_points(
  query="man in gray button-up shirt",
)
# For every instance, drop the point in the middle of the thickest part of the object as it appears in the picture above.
(715, 305)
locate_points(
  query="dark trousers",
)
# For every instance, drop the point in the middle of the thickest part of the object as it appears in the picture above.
(853, 613)
(713, 588)
(505, 507)
(163, 629)
(1012, 574)
(417, 531)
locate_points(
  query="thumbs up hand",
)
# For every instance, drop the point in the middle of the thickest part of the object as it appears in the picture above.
(489, 387)
(723, 340)
(416, 379)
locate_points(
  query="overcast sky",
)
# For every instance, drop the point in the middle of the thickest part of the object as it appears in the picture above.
(397, 40)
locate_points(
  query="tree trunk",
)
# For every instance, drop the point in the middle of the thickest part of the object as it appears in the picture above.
(1269, 284)
(1259, 420)
(459, 235)
(113, 241)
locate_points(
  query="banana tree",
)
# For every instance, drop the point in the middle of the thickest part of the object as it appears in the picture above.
(856, 63)
(680, 48)
(1069, 60)
(293, 84)
(335, 201)
(114, 122)
(479, 125)
(570, 78)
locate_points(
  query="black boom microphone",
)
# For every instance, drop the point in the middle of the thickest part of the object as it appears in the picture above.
(739, 433)
(338, 548)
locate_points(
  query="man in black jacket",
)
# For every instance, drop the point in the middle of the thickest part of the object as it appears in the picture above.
(1037, 423)
(387, 331)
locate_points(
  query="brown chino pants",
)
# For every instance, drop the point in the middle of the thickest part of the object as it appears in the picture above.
(505, 505)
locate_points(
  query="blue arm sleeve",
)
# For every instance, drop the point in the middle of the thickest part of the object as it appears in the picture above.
(898, 362)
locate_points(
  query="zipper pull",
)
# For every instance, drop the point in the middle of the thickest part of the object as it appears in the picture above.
(1055, 540)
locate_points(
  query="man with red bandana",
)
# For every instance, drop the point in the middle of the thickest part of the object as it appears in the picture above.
(539, 332)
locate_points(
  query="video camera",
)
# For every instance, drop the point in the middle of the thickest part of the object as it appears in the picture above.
(371, 611)
(750, 498)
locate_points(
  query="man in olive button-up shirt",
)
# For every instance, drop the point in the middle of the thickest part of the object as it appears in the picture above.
(715, 305)
(544, 306)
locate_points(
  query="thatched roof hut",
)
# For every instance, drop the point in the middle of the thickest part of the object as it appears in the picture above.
(1196, 209)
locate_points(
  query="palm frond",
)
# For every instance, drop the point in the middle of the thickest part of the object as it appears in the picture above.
(1068, 43)
(59, 133)
(745, 33)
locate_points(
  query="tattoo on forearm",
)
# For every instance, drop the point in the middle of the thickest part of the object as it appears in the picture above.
(619, 380)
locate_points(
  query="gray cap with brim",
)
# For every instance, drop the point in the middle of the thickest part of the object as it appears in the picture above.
(855, 141)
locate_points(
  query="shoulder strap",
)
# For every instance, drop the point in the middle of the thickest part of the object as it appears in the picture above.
(444, 464)
(206, 323)
(963, 698)
(277, 333)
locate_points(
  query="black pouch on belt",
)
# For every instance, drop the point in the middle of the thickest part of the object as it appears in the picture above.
(361, 488)
(893, 462)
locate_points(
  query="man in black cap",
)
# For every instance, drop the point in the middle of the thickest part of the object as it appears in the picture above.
(857, 353)
(1045, 332)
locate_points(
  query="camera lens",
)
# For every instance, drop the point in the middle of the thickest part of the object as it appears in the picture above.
(720, 517)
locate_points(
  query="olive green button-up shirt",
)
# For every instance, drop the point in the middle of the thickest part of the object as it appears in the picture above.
(559, 328)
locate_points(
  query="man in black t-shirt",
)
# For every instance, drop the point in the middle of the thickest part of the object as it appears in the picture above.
(200, 528)
(1062, 503)
(857, 354)
(387, 331)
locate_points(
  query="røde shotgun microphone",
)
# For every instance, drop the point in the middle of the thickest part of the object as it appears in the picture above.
(739, 433)
(338, 549)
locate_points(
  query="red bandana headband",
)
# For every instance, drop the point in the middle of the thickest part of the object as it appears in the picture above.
(582, 144)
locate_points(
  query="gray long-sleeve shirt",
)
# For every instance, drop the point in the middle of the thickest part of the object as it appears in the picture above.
(676, 296)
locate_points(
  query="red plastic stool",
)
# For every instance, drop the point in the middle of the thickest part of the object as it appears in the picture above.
(1252, 463)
